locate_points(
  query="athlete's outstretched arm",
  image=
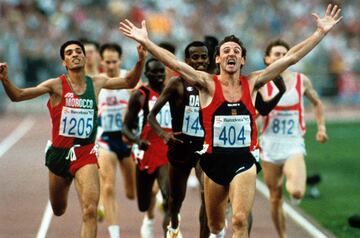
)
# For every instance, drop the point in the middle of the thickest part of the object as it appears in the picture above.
(194, 77)
(20, 94)
(264, 107)
(132, 77)
(324, 25)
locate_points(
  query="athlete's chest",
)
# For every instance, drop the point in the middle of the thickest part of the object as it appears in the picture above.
(232, 93)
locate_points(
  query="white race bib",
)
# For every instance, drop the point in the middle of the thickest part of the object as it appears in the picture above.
(111, 118)
(164, 115)
(191, 122)
(76, 122)
(232, 131)
(284, 124)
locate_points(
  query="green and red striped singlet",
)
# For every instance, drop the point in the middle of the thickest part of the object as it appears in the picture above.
(74, 119)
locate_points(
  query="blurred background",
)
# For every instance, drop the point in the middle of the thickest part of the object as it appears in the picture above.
(32, 32)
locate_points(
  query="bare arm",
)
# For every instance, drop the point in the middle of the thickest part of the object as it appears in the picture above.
(194, 77)
(169, 90)
(21, 94)
(311, 94)
(132, 77)
(130, 124)
(324, 25)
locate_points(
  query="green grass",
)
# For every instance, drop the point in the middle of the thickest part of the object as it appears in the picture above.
(338, 162)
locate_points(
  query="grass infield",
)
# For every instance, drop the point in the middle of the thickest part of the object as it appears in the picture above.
(338, 163)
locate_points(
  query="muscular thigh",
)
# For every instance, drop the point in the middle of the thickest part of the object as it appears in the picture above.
(273, 174)
(108, 163)
(295, 168)
(242, 190)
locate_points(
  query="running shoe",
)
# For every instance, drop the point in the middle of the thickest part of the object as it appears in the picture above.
(147, 228)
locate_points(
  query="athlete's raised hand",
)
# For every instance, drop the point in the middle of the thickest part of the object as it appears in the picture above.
(128, 29)
(3, 71)
(331, 18)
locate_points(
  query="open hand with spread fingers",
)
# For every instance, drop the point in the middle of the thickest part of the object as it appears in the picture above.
(331, 18)
(128, 29)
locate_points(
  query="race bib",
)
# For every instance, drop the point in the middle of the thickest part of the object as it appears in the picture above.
(232, 131)
(191, 122)
(284, 124)
(111, 118)
(76, 122)
(164, 115)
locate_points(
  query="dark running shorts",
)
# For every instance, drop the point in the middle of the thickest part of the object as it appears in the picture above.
(183, 155)
(113, 142)
(222, 167)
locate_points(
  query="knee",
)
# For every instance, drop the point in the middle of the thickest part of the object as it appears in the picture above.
(59, 211)
(89, 211)
(297, 194)
(239, 220)
(109, 190)
(130, 194)
(215, 226)
(275, 194)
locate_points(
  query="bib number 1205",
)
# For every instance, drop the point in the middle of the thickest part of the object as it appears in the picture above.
(76, 122)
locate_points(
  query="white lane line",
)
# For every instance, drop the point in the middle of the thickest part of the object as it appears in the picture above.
(16, 135)
(45, 222)
(295, 216)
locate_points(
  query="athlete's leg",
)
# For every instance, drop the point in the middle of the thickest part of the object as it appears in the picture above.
(59, 191)
(242, 194)
(204, 229)
(295, 173)
(144, 187)
(163, 182)
(216, 198)
(127, 167)
(178, 179)
(273, 176)
(108, 164)
(88, 188)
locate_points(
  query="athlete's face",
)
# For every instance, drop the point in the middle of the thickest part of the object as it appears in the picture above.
(92, 55)
(111, 61)
(230, 58)
(276, 53)
(199, 58)
(155, 72)
(74, 57)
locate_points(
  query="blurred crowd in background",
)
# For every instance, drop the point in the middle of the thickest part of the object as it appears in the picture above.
(32, 32)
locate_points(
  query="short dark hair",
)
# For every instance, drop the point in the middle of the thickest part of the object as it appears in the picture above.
(276, 42)
(193, 44)
(70, 42)
(231, 38)
(273, 43)
(168, 46)
(112, 47)
(148, 62)
(85, 41)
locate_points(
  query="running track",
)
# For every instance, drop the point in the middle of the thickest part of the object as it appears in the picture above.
(24, 192)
